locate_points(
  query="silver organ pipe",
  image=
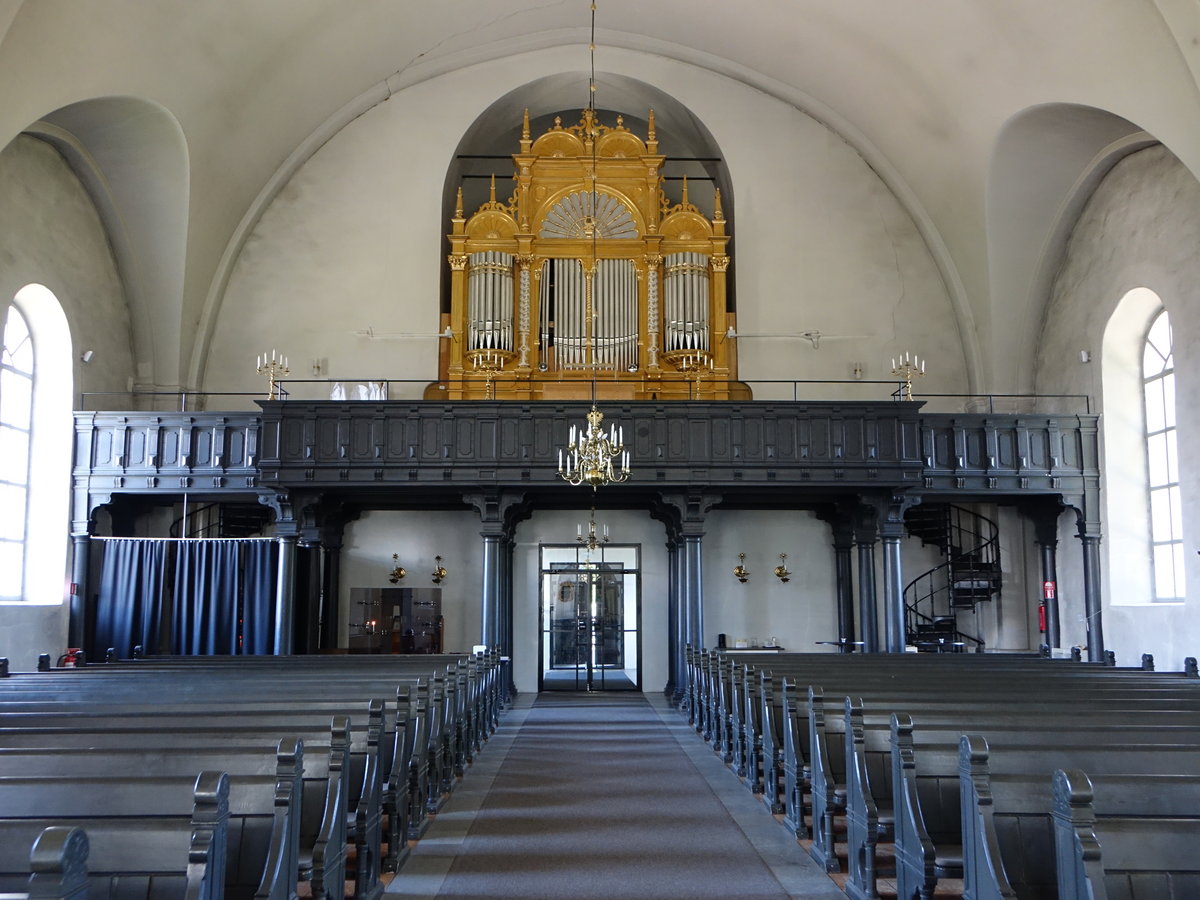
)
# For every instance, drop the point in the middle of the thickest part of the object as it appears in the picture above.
(616, 324)
(686, 302)
(490, 301)
(544, 316)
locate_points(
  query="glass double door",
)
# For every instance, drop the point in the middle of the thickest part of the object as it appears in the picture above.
(589, 625)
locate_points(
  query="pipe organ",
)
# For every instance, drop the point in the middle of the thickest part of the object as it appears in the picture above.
(587, 275)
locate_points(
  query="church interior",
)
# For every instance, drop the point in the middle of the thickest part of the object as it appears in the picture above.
(598, 334)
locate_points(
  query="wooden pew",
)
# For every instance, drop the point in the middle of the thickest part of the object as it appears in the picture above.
(321, 803)
(948, 792)
(57, 863)
(1129, 837)
(173, 837)
(862, 761)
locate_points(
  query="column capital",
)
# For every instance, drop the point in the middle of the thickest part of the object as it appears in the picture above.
(499, 511)
(685, 511)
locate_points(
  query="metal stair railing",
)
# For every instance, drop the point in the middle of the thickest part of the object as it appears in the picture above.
(969, 576)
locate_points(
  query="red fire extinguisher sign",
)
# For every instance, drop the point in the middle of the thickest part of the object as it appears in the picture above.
(1048, 590)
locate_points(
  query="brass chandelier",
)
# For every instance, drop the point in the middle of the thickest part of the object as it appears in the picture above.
(591, 453)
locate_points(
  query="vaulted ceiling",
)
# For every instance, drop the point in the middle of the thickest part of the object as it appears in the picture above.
(987, 119)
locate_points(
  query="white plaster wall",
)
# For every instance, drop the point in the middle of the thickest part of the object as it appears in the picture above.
(1141, 228)
(797, 614)
(355, 240)
(51, 234)
(418, 536)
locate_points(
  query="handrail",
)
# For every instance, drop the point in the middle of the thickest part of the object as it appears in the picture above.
(763, 391)
(939, 582)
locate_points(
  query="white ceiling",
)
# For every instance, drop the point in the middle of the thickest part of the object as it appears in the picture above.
(927, 90)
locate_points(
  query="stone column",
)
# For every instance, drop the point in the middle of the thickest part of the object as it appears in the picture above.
(694, 587)
(82, 548)
(285, 594)
(1050, 593)
(864, 539)
(893, 587)
(841, 522)
(331, 586)
(489, 628)
(683, 515)
(676, 641)
(1091, 596)
(499, 513)
(1045, 525)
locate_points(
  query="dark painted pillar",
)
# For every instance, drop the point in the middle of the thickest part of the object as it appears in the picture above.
(864, 539)
(331, 587)
(893, 587)
(1045, 529)
(82, 548)
(676, 642)
(1050, 592)
(683, 515)
(694, 597)
(499, 513)
(489, 626)
(841, 522)
(285, 595)
(1091, 596)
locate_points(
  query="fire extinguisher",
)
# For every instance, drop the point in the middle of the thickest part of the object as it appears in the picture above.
(72, 658)
(1042, 617)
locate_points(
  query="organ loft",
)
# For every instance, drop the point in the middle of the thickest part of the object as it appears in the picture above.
(589, 277)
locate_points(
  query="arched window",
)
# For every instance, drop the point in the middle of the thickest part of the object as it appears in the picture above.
(1162, 461)
(16, 430)
(35, 447)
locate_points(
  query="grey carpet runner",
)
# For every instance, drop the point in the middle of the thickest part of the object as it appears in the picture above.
(596, 799)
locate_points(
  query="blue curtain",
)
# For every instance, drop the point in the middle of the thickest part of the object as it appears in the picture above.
(130, 604)
(204, 610)
(258, 597)
(222, 600)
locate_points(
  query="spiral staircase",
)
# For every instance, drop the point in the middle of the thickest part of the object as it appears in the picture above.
(969, 575)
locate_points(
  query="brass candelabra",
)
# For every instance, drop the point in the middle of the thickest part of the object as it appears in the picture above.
(274, 368)
(908, 367)
(489, 362)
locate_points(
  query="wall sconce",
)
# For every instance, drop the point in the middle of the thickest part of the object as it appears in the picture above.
(440, 572)
(397, 573)
(740, 572)
(781, 570)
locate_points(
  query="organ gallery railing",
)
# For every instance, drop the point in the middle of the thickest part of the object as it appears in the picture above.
(589, 270)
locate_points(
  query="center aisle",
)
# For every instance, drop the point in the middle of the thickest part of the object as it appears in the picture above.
(593, 795)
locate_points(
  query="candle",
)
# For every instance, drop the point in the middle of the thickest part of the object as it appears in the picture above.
(560, 460)
(578, 531)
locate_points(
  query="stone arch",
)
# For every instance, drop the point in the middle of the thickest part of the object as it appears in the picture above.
(131, 156)
(1046, 162)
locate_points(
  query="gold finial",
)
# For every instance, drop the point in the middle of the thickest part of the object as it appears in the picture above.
(558, 123)
(525, 126)
(718, 213)
(650, 136)
(458, 210)
(685, 199)
(492, 194)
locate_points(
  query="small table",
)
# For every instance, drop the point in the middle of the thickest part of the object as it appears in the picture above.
(843, 645)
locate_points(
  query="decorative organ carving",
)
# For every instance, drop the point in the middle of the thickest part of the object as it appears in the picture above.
(588, 271)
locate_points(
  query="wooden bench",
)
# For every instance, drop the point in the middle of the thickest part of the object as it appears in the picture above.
(1126, 838)
(209, 836)
(942, 831)
(322, 837)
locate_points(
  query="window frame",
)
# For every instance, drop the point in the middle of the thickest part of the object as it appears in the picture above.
(10, 370)
(1159, 438)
